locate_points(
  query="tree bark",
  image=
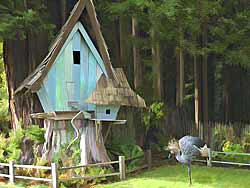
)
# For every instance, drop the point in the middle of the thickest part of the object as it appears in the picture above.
(63, 11)
(21, 57)
(196, 93)
(136, 55)
(156, 57)
(177, 100)
(125, 50)
(205, 88)
(182, 82)
(226, 92)
(180, 87)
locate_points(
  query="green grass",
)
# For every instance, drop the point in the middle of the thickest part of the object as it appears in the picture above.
(21, 184)
(177, 177)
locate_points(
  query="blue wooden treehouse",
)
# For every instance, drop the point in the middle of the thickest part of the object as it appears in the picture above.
(79, 89)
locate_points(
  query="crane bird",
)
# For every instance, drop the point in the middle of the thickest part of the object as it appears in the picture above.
(186, 149)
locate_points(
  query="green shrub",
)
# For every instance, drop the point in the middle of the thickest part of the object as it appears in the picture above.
(232, 147)
(153, 115)
(129, 151)
(14, 144)
(35, 133)
(3, 146)
(246, 142)
(4, 108)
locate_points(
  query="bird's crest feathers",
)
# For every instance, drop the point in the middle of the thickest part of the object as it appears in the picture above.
(173, 146)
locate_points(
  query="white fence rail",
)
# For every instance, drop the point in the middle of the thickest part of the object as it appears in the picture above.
(55, 172)
(209, 161)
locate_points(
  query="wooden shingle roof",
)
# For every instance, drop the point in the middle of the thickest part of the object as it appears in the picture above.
(109, 93)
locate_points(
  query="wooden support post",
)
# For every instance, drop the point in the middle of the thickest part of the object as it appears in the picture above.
(12, 171)
(122, 167)
(54, 173)
(209, 160)
(148, 157)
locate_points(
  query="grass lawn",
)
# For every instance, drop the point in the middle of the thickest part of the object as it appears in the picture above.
(21, 184)
(177, 177)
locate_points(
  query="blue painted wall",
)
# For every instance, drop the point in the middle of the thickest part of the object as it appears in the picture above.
(68, 84)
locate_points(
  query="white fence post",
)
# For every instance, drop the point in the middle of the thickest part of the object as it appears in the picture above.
(122, 167)
(209, 160)
(12, 171)
(54, 173)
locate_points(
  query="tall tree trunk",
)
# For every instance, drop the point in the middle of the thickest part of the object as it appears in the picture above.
(177, 100)
(63, 11)
(180, 71)
(226, 92)
(136, 55)
(156, 57)
(182, 82)
(21, 57)
(196, 93)
(205, 87)
(125, 50)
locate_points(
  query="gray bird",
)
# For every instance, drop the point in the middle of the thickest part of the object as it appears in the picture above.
(186, 149)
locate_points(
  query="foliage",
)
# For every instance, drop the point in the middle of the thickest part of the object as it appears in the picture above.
(4, 114)
(153, 115)
(130, 151)
(246, 142)
(16, 19)
(14, 144)
(231, 147)
(3, 146)
(10, 147)
(34, 132)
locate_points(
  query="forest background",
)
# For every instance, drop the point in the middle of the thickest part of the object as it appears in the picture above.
(193, 56)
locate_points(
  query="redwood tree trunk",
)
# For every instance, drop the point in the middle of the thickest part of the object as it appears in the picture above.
(137, 58)
(205, 89)
(196, 93)
(21, 57)
(125, 48)
(156, 57)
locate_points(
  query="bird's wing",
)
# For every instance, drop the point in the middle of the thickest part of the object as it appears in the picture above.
(187, 144)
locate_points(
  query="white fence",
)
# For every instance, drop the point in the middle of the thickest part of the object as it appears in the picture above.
(55, 171)
(210, 160)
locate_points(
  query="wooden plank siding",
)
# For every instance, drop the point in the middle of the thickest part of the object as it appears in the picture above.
(44, 98)
(68, 82)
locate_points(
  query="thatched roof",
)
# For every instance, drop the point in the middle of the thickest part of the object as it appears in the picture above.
(109, 93)
(34, 80)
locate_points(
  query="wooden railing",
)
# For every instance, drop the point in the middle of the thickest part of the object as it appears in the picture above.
(210, 161)
(55, 171)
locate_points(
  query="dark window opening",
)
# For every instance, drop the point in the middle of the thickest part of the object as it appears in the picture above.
(108, 111)
(76, 56)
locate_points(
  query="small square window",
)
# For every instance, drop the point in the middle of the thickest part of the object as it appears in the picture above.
(76, 56)
(108, 111)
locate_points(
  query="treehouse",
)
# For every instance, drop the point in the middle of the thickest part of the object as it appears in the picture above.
(78, 89)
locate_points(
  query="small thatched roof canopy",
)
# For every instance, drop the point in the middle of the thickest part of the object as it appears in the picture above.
(109, 93)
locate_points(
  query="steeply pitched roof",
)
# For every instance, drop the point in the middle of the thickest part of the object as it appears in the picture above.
(34, 80)
(109, 93)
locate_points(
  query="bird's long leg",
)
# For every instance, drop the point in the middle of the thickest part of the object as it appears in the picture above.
(189, 173)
